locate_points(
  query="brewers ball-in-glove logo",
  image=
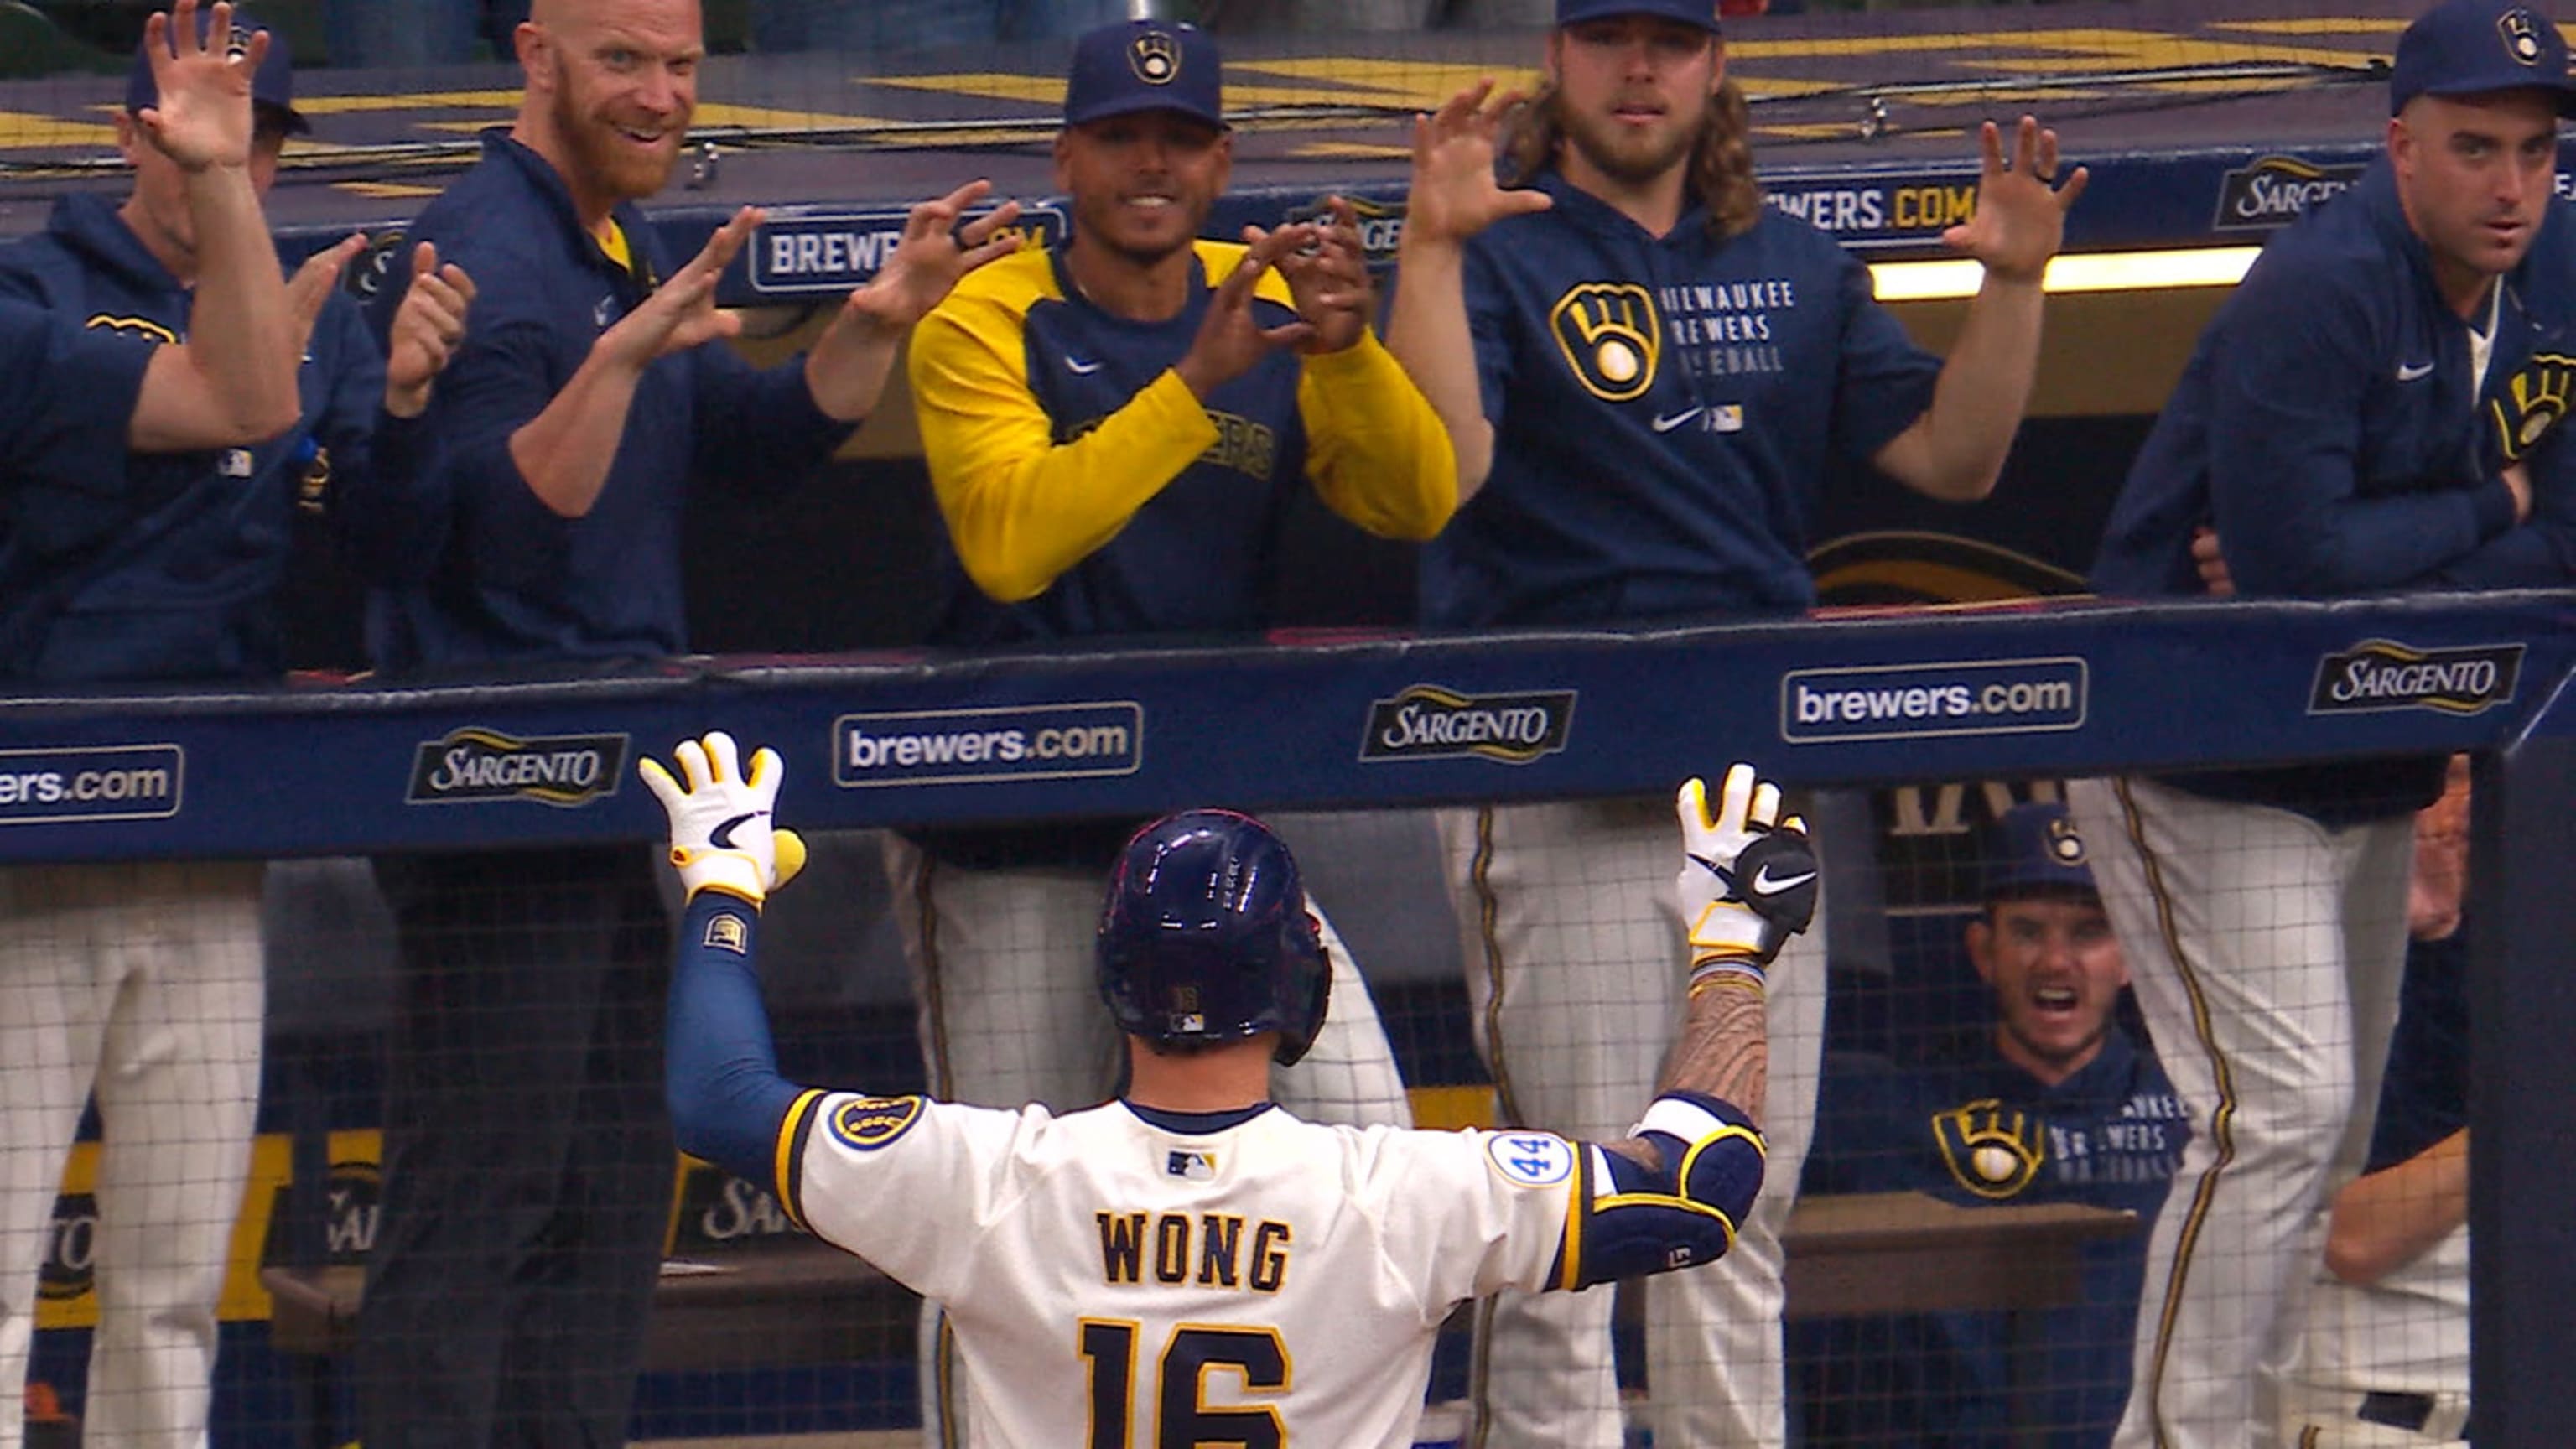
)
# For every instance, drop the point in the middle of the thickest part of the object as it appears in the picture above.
(1612, 337)
(1155, 57)
(2521, 36)
(2533, 402)
(2065, 846)
(1991, 1152)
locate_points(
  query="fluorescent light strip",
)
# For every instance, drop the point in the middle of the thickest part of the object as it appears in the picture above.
(2080, 272)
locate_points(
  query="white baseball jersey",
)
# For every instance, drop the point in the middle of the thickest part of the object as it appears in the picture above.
(1264, 1281)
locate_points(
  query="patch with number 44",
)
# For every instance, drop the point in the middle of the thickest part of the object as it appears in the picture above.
(1531, 1159)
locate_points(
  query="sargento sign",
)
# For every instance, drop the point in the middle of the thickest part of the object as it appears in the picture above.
(474, 765)
(2380, 674)
(1425, 721)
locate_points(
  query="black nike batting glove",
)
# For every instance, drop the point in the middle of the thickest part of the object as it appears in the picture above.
(1748, 878)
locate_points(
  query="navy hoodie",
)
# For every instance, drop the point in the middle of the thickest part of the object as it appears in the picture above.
(173, 570)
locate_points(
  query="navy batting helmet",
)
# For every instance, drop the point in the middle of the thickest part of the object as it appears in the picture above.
(1205, 937)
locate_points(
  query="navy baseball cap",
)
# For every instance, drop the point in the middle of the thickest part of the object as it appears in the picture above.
(1702, 13)
(2469, 47)
(1144, 65)
(2037, 852)
(273, 86)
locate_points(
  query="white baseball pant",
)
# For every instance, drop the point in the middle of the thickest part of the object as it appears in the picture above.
(2266, 951)
(143, 982)
(1575, 969)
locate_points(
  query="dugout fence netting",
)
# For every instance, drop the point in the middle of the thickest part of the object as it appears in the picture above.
(1984, 1095)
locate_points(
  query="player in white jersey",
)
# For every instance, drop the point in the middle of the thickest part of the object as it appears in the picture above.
(1190, 1264)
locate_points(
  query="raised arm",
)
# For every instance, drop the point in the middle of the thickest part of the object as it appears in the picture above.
(1022, 508)
(1672, 1192)
(565, 451)
(1957, 449)
(728, 1102)
(1378, 453)
(848, 368)
(233, 381)
(1453, 196)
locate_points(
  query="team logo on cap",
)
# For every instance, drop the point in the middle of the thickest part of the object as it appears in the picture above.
(1611, 335)
(1155, 57)
(2064, 845)
(2521, 35)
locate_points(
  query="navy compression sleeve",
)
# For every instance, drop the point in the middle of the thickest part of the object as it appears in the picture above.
(728, 1102)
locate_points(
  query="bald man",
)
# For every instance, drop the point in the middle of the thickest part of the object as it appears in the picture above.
(528, 1155)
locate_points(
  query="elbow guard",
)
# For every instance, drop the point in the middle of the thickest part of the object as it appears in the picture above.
(1681, 1211)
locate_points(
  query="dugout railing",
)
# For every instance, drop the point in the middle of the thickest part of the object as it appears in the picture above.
(1387, 721)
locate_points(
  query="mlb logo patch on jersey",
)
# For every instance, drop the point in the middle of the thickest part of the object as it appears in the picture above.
(865, 1124)
(1190, 1164)
(233, 463)
(1530, 1159)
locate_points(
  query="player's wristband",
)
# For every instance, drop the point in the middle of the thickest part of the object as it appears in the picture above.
(1736, 971)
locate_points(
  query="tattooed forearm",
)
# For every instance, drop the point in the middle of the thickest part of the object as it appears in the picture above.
(1724, 1052)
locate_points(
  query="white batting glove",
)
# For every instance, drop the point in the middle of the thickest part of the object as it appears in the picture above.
(1748, 878)
(721, 836)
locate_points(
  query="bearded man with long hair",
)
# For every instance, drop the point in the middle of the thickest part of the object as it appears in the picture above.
(1646, 375)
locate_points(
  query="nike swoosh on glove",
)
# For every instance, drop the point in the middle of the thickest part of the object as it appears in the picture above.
(722, 838)
(1748, 878)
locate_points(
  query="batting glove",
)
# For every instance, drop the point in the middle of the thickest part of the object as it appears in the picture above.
(721, 838)
(1748, 878)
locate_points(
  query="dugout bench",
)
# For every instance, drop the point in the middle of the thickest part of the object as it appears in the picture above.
(799, 1301)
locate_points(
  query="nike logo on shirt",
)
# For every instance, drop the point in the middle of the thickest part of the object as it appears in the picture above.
(1665, 423)
(1080, 368)
(2414, 372)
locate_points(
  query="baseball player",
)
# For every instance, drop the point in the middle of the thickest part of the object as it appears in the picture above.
(2050, 1103)
(1191, 1263)
(143, 981)
(2373, 410)
(1115, 428)
(528, 1153)
(2385, 1349)
(1646, 373)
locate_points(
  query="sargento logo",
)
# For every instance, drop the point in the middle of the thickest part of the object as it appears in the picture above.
(2378, 674)
(959, 746)
(1426, 722)
(110, 782)
(475, 764)
(2276, 190)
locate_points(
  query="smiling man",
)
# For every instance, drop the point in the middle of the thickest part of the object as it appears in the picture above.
(2049, 1102)
(1116, 428)
(528, 1151)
